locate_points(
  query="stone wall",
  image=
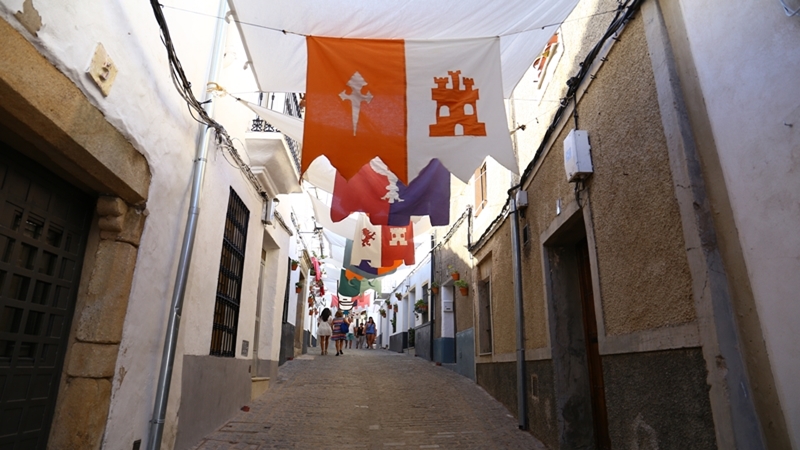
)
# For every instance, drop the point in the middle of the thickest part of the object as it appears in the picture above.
(71, 137)
(85, 393)
(659, 400)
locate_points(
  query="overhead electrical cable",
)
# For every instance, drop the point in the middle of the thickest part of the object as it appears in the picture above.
(184, 88)
(624, 13)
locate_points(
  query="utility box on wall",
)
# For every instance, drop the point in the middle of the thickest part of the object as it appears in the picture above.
(268, 210)
(577, 155)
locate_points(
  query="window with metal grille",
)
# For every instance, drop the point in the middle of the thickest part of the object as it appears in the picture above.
(229, 282)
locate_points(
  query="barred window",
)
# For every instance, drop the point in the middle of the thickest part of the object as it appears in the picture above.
(229, 282)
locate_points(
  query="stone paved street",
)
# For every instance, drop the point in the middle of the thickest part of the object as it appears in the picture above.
(370, 399)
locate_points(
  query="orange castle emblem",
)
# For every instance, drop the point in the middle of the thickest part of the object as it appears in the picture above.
(456, 109)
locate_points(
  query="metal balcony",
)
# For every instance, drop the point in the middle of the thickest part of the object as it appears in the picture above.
(275, 157)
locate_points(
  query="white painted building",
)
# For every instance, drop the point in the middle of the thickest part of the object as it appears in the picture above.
(217, 355)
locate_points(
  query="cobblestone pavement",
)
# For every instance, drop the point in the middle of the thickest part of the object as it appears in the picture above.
(373, 399)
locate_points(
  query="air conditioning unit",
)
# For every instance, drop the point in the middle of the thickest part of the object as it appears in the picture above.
(577, 155)
(268, 210)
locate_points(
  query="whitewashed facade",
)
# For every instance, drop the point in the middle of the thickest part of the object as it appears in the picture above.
(143, 105)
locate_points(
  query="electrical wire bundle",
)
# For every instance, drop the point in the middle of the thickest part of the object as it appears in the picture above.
(624, 13)
(196, 110)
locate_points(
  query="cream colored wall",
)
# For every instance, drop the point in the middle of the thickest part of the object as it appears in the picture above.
(495, 258)
(644, 274)
(534, 104)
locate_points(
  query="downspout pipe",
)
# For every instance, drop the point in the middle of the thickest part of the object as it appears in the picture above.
(432, 302)
(179, 291)
(516, 261)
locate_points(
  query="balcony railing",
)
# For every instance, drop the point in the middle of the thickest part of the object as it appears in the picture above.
(291, 107)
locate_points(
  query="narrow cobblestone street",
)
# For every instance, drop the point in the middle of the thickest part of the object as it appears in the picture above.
(370, 399)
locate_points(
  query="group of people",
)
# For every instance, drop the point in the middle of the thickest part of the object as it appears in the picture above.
(336, 327)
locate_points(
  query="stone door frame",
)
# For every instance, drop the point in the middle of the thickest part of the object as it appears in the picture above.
(51, 121)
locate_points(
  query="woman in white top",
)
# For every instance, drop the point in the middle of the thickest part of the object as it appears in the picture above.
(324, 330)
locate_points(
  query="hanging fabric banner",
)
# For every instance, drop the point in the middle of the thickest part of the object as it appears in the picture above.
(364, 268)
(347, 227)
(377, 191)
(341, 250)
(381, 245)
(406, 102)
(351, 285)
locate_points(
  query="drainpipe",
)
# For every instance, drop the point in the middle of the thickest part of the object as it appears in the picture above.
(522, 404)
(198, 171)
(432, 301)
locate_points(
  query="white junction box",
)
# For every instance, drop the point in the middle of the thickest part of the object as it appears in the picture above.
(577, 155)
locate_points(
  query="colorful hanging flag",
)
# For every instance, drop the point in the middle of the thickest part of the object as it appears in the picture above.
(347, 227)
(363, 300)
(334, 301)
(364, 268)
(378, 192)
(341, 250)
(317, 271)
(381, 245)
(397, 244)
(406, 102)
(366, 243)
(352, 285)
(349, 287)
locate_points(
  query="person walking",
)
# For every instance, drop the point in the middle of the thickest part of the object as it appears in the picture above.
(338, 331)
(324, 330)
(351, 336)
(370, 332)
(361, 340)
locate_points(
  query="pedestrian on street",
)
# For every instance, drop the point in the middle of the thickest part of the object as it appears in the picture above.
(339, 332)
(361, 340)
(351, 336)
(370, 331)
(324, 330)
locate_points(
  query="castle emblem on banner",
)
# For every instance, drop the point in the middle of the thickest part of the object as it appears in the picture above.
(456, 109)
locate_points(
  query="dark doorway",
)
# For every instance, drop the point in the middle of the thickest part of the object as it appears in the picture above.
(578, 374)
(43, 227)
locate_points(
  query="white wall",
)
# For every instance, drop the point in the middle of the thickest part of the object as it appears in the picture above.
(748, 62)
(144, 106)
(411, 286)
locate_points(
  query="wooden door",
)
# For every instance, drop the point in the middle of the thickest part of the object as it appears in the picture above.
(43, 228)
(596, 386)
